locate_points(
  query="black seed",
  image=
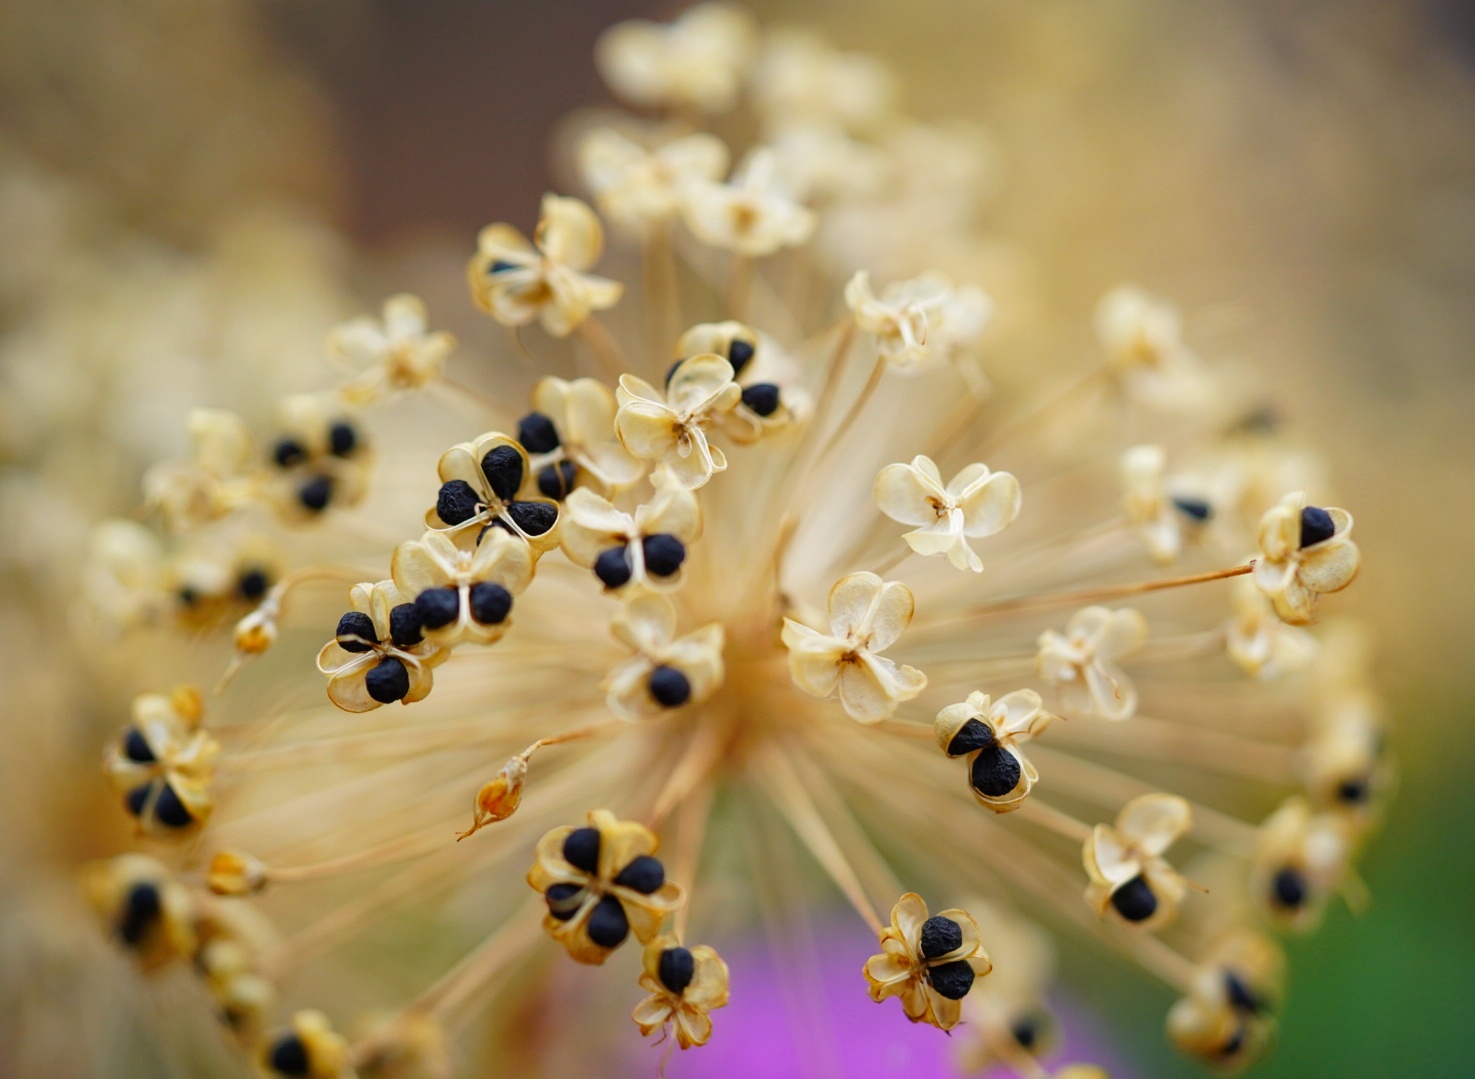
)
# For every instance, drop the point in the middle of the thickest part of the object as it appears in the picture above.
(1240, 996)
(438, 607)
(1288, 889)
(502, 466)
(762, 398)
(534, 518)
(995, 772)
(1353, 791)
(607, 926)
(188, 595)
(664, 553)
(581, 849)
(316, 493)
(1134, 900)
(1197, 508)
(134, 800)
(405, 627)
(136, 746)
(1263, 420)
(252, 584)
(556, 481)
(563, 900)
(671, 372)
(669, 687)
(644, 874)
(356, 624)
(388, 681)
(1026, 1031)
(289, 1056)
(457, 502)
(1316, 525)
(501, 266)
(952, 980)
(342, 439)
(613, 567)
(170, 811)
(537, 434)
(1235, 1043)
(141, 909)
(490, 603)
(288, 452)
(676, 970)
(975, 734)
(939, 936)
(739, 354)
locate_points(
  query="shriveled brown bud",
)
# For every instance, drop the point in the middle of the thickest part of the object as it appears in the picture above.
(234, 872)
(500, 798)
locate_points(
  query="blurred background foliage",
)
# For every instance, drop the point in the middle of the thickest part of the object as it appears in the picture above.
(1299, 175)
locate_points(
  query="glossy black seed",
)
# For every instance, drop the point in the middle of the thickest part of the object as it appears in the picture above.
(1263, 420)
(534, 518)
(995, 772)
(134, 800)
(563, 900)
(356, 624)
(607, 926)
(762, 398)
(952, 980)
(388, 681)
(1197, 508)
(676, 969)
(405, 626)
(170, 811)
(316, 493)
(490, 603)
(536, 433)
(581, 849)
(671, 372)
(342, 439)
(1134, 900)
(939, 936)
(501, 266)
(975, 734)
(252, 584)
(1316, 525)
(664, 553)
(136, 746)
(556, 481)
(1235, 1043)
(288, 452)
(644, 874)
(502, 466)
(1240, 996)
(141, 909)
(1026, 1031)
(457, 502)
(1353, 791)
(739, 354)
(1288, 889)
(288, 1056)
(438, 607)
(669, 687)
(612, 567)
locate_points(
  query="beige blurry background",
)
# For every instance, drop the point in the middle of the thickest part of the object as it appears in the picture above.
(1299, 176)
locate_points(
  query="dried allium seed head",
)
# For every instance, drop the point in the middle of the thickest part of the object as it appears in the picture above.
(680, 586)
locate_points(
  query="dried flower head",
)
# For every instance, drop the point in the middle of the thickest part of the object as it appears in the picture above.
(929, 963)
(1129, 875)
(739, 681)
